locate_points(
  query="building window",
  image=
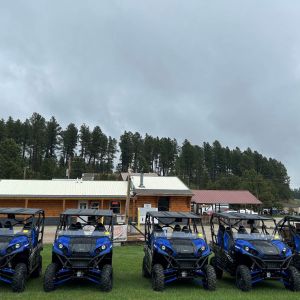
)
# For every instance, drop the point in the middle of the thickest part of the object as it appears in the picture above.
(95, 205)
(115, 206)
(163, 204)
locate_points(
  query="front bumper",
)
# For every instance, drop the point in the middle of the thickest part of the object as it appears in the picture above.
(80, 262)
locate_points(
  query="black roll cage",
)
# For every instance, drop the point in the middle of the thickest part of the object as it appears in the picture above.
(288, 221)
(38, 222)
(191, 222)
(222, 220)
(66, 219)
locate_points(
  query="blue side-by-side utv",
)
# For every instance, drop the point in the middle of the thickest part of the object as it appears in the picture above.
(244, 248)
(82, 249)
(289, 230)
(21, 243)
(175, 249)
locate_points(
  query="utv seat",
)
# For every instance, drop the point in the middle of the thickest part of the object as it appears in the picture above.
(254, 230)
(72, 227)
(78, 226)
(185, 229)
(8, 225)
(100, 227)
(242, 230)
(27, 226)
(157, 228)
(220, 235)
(177, 228)
(228, 239)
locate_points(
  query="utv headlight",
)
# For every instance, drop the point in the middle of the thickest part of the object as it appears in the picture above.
(284, 250)
(246, 248)
(60, 246)
(166, 249)
(17, 246)
(203, 248)
(103, 247)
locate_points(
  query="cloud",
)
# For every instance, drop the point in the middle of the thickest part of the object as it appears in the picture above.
(226, 70)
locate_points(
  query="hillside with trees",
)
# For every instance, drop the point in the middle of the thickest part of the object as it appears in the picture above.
(41, 149)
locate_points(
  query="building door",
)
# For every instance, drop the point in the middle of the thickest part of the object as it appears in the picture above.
(83, 205)
(163, 204)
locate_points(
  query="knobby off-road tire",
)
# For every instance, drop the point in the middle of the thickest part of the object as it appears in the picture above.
(296, 262)
(145, 272)
(106, 278)
(38, 271)
(158, 278)
(243, 278)
(49, 278)
(210, 278)
(219, 272)
(19, 278)
(293, 279)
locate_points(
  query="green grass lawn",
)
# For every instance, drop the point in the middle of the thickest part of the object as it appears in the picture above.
(129, 284)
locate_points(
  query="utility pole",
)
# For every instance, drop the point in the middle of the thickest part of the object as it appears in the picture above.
(24, 172)
(128, 196)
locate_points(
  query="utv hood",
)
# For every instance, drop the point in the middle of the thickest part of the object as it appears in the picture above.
(4, 242)
(265, 247)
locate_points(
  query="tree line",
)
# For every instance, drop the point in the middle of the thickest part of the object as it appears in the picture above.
(41, 149)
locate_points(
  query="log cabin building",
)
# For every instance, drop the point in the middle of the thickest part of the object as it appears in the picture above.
(54, 196)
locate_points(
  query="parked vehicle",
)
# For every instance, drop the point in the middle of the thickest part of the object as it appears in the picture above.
(82, 249)
(250, 255)
(289, 230)
(21, 243)
(175, 249)
(208, 210)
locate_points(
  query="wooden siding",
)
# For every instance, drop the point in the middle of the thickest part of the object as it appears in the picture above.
(52, 208)
(180, 203)
(10, 203)
(176, 203)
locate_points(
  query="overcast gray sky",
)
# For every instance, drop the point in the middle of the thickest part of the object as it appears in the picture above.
(201, 70)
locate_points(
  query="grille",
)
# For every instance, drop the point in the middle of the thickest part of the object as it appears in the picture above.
(272, 257)
(80, 263)
(81, 247)
(186, 264)
(273, 265)
(184, 248)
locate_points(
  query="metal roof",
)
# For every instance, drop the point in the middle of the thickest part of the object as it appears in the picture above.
(62, 189)
(21, 211)
(159, 185)
(124, 175)
(240, 216)
(223, 196)
(172, 214)
(88, 212)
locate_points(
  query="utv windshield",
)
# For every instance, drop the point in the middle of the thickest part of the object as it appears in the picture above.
(84, 233)
(256, 236)
(14, 231)
(179, 235)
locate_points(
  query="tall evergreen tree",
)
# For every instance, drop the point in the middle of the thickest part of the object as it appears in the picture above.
(10, 160)
(69, 142)
(126, 147)
(53, 131)
(37, 141)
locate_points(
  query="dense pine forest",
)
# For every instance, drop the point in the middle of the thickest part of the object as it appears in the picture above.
(40, 149)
